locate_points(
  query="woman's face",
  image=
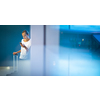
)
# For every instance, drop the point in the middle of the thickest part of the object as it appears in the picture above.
(25, 36)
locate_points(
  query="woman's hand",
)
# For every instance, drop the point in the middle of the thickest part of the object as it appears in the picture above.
(22, 45)
(14, 53)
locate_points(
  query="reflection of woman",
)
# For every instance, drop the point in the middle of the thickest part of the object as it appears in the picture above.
(25, 46)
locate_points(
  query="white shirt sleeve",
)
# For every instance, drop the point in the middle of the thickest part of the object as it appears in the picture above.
(22, 41)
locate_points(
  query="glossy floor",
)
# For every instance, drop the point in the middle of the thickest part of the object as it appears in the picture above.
(61, 61)
(72, 62)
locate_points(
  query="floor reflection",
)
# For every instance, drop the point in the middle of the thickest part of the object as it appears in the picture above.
(60, 61)
(72, 62)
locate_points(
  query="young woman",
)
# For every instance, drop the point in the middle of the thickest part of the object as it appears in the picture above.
(24, 59)
(25, 46)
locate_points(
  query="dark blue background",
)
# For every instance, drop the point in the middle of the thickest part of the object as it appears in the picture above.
(10, 36)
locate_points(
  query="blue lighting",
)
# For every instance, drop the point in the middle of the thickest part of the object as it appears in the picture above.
(89, 28)
(86, 27)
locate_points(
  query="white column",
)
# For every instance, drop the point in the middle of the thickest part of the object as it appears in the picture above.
(37, 37)
(52, 50)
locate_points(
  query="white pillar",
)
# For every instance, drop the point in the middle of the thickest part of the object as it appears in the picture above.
(52, 50)
(37, 38)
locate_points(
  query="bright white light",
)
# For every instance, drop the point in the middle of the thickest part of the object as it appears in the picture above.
(8, 67)
(82, 39)
(54, 63)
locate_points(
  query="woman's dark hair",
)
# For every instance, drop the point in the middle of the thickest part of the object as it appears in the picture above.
(25, 32)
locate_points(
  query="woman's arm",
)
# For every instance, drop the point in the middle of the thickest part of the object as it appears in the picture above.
(14, 53)
(26, 48)
(19, 51)
(23, 46)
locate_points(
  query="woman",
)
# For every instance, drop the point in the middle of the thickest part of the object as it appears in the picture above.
(25, 46)
(24, 62)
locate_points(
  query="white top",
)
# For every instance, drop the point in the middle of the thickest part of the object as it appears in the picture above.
(24, 53)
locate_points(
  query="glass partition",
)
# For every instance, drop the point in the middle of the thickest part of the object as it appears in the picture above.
(72, 53)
